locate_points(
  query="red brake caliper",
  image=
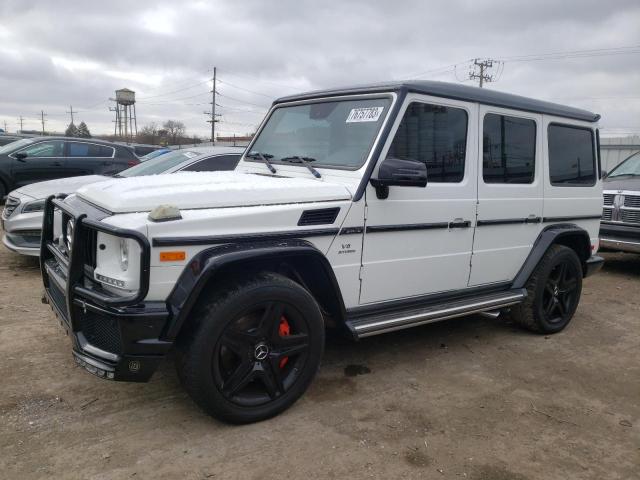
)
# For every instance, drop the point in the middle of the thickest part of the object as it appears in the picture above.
(284, 330)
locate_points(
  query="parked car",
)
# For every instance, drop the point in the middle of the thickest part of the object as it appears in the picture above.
(620, 227)
(141, 150)
(7, 139)
(45, 158)
(22, 215)
(365, 209)
(154, 154)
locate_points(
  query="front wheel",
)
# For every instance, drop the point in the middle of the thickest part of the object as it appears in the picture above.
(553, 292)
(254, 349)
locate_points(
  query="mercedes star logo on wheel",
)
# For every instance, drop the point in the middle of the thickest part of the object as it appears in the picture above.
(261, 351)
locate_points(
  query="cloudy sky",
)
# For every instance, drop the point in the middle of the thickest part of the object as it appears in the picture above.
(59, 53)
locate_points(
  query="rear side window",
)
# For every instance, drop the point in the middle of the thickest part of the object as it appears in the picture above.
(508, 149)
(572, 159)
(78, 149)
(434, 135)
(214, 164)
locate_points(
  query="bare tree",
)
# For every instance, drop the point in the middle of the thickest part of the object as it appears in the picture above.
(175, 130)
(149, 134)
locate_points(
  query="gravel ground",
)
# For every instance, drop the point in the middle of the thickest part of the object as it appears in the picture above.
(468, 398)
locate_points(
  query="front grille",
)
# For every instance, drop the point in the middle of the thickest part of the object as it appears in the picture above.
(630, 216)
(102, 332)
(10, 206)
(607, 214)
(90, 240)
(632, 201)
(608, 198)
(25, 238)
(57, 296)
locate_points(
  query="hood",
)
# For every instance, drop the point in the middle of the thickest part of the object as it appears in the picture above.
(188, 190)
(60, 185)
(622, 183)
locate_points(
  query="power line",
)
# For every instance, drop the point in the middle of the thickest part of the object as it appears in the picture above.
(597, 52)
(246, 89)
(174, 91)
(241, 101)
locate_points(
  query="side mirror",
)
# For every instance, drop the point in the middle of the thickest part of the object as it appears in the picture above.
(399, 173)
(604, 174)
(21, 156)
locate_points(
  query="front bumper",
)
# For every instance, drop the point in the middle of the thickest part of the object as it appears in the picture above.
(115, 339)
(620, 237)
(29, 247)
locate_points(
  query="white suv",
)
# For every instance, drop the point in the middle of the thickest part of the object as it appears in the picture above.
(367, 209)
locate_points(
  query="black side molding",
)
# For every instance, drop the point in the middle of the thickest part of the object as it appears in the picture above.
(242, 238)
(508, 221)
(571, 219)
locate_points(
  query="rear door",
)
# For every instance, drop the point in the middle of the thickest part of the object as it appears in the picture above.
(510, 193)
(86, 158)
(44, 161)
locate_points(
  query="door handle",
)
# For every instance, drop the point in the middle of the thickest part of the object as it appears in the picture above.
(533, 219)
(459, 223)
(56, 164)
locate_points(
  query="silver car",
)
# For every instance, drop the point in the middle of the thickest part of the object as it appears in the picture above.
(22, 214)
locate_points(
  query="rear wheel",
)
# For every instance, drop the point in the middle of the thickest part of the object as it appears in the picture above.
(553, 292)
(254, 350)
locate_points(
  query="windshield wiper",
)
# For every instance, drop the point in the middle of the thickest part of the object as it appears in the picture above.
(265, 159)
(303, 161)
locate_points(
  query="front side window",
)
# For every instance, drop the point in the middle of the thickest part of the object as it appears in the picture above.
(508, 149)
(329, 133)
(53, 148)
(435, 135)
(572, 159)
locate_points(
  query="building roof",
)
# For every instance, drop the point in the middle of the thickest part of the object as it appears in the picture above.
(457, 92)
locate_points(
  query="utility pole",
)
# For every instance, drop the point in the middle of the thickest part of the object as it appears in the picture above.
(480, 68)
(213, 113)
(42, 115)
(71, 112)
(21, 120)
(5, 127)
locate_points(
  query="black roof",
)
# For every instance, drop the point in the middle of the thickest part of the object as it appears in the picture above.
(457, 92)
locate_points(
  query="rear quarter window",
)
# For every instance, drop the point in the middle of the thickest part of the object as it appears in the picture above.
(572, 158)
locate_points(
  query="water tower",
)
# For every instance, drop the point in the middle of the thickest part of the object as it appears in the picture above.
(126, 123)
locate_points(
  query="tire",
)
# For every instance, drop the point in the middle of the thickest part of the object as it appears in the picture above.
(252, 350)
(553, 292)
(3, 192)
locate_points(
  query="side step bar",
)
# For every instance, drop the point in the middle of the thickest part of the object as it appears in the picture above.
(388, 322)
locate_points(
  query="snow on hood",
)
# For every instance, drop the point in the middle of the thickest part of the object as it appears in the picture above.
(60, 185)
(207, 190)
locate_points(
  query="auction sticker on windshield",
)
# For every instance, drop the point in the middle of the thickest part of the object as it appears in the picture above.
(367, 114)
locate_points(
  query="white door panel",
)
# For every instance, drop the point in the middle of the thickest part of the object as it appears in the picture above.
(509, 214)
(419, 254)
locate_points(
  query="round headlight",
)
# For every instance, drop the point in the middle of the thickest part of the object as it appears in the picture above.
(124, 254)
(69, 235)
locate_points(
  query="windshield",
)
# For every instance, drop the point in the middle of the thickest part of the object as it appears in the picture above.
(154, 154)
(631, 166)
(331, 134)
(159, 164)
(10, 147)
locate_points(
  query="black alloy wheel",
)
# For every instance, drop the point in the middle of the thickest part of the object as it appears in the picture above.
(251, 349)
(261, 354)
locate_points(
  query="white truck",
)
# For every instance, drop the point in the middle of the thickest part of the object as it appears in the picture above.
(367, 209)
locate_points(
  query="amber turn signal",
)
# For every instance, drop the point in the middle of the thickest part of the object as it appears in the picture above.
(172, 256)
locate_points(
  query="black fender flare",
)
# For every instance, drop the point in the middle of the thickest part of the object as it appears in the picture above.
(550, 235)
(207, 263)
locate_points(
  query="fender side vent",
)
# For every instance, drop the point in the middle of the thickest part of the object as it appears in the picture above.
(322, 216)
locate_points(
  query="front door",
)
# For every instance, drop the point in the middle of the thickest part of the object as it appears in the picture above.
(418, 241)
(509, 194)
(43, 161)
